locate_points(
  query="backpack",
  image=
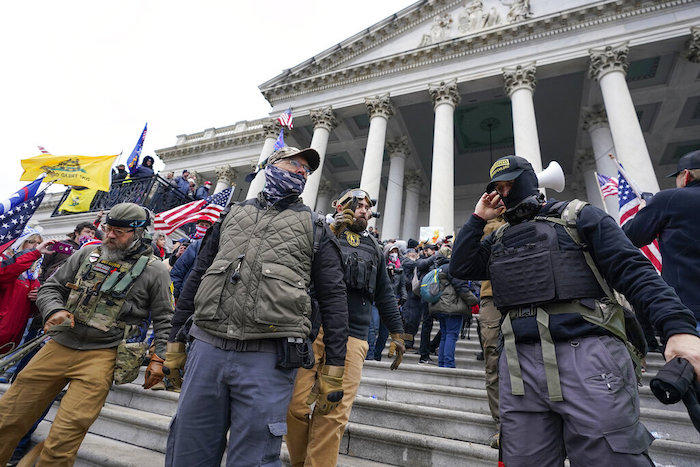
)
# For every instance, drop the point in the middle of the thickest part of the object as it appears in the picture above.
(415, 283)
(430, 290)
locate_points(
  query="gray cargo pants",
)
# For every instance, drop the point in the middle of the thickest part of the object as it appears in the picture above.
(596, 424)
(226, 389)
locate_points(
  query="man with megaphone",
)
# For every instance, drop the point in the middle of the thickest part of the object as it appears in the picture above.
(566, 377)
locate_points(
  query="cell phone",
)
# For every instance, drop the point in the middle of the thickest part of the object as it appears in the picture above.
(61, 247)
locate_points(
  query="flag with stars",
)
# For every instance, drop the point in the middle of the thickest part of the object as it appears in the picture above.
(13, 221)
(608, 185)
(21, 195)
(629, 206)
(285, 118)
(208, 209)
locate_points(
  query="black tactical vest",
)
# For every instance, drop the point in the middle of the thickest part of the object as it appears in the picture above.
(531, 264)
(361, 260)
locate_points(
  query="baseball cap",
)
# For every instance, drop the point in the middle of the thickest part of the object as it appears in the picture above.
(507, 168)
(688, 161)
(309, 154)
(207, 182)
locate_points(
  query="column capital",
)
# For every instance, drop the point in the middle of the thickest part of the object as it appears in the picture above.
(693, 53)
(607, 59)
(584, 161)
(379, 106)
(594, 118)
(225, 173)
(325, 188)
(412, 179)
(271, 128)
(398, 147)
(519, 77)
(444, 93)
(324, 118)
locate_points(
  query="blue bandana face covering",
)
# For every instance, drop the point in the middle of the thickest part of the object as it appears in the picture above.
(280, 183)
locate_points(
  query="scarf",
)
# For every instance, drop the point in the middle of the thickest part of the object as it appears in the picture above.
(280, 183)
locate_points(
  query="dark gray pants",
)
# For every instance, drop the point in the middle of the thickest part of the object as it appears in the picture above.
(596, 424)
(225, 389)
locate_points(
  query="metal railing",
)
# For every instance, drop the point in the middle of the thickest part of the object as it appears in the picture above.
(154, 193)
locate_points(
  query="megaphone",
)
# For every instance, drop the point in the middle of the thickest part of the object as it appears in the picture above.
(552, 177)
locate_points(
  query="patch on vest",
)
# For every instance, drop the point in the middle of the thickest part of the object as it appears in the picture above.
(103, 268)
(94, 256)
(353, 238)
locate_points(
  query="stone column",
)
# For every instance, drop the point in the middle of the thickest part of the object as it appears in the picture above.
(584, 184)
(412, 181)
(445, 97)
(224, 178)
(271, 131)
(693, 52)
(324, 122)
(609, 66)
(398, 151)
(520, 86)
(595, 123)
(323, 198)
(380, 111)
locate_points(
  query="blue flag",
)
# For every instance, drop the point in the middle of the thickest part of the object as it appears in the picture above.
(133, 161)
(279, 144)
(13, 221)
(22, 195)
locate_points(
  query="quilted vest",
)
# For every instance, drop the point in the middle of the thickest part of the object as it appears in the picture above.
(257, 285)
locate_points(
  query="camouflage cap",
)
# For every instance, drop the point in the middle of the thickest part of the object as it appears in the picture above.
(309, 154)
(128, 215)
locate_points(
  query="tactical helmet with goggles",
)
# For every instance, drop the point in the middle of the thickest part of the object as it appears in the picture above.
(128, 215)
(351, 196)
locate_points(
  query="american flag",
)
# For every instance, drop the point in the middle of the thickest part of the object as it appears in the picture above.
(13, 221)
(206, 209)
(21, 195)
(285, 118)
(629, 206)
(43, 150)
(608, 185)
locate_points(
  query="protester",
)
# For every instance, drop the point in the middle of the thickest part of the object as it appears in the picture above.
(84, 351)
(313, 437)
(64, 249)
(248, 297)
(145, 169)
(158, 243)
(182, 184)
(119, 173)
(424, 264)
(566, 376)
(398, 285)
(203, 191)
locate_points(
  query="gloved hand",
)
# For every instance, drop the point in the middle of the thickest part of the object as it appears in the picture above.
(342, 220)
(396, 347)
(328, 389)
(174, 364)
(154, 372)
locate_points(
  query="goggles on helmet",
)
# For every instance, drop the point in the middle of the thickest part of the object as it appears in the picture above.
(352, 195)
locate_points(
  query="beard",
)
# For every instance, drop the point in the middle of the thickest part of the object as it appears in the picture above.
(114, 250)
(358, 225)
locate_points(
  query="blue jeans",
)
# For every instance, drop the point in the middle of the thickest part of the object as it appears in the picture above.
(450, 326)
(374, 324)
(222, 390)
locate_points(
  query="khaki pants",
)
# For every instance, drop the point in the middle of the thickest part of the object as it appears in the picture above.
(89, 373)
(490, 319)
(314, 439)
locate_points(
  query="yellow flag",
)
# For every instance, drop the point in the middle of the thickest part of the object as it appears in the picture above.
(88, 171)
(79, 200)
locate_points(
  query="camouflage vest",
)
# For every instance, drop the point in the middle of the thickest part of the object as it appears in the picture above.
(101, 287)
(257, 285)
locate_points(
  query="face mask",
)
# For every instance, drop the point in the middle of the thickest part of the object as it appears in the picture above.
(280, 183)
(393, 256)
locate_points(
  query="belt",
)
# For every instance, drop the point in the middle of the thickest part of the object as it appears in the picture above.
(237, 345)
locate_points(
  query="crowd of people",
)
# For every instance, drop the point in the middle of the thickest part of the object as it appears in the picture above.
(263, 323)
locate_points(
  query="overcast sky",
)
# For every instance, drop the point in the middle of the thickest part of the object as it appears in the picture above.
(82, 77)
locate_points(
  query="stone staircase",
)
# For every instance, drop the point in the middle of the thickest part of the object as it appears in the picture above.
(419, 415)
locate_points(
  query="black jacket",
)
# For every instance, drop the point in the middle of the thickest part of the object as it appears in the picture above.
(622, 265)
(326, 275)
(674, 216)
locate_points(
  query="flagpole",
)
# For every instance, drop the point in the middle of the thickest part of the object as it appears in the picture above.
(600, 192)
(632, 184)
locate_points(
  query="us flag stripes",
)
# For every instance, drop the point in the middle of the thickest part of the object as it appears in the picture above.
(207, 209)
(608, 185)
(285, 118)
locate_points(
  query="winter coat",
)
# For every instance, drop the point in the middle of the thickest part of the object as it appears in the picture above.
(15, 307)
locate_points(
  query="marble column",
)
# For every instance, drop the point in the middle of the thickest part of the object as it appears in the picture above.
(609, 67)
(520, 86)
(584, 184)
(398, 151)
(693, 52)
(380, 111)
(323, 198)
(445, 97)
(412, 182)
(324, 122)
(271, 131)
(225, 175)
(595, 123)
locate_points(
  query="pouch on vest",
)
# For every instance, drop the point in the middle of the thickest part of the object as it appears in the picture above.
(430, 291)
(129, 358)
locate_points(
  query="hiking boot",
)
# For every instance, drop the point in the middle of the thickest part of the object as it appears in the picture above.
(426, 360)
(480, 356)
(495, 440)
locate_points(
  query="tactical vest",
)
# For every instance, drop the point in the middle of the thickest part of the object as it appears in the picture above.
(101, 287)
(257, 285)
(361, 260)
(529, 265)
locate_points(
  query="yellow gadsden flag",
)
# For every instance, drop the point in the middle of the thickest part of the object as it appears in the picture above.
(88, 171)
(78, 200)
